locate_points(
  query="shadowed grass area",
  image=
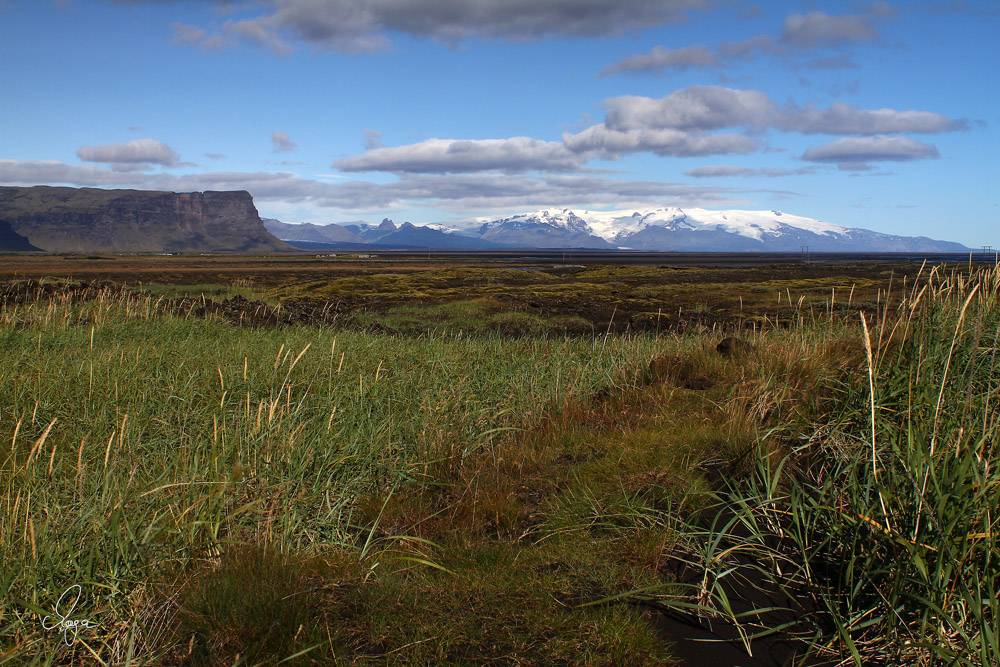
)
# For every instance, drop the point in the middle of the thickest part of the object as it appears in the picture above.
(256, 603)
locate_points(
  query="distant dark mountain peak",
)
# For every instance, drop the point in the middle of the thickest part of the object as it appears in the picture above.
(313, 233)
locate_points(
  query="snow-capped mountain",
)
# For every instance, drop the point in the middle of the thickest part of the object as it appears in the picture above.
(543, 229)
(691, 229)
(660, 229)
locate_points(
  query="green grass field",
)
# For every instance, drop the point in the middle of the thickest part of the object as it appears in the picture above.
(459, 482)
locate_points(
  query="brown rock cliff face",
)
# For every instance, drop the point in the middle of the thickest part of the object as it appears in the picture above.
(95, 220)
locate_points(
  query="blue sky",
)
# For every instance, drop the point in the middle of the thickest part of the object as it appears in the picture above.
(878, 115)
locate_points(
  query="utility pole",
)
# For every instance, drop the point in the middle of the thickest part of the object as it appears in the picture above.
(805, 253)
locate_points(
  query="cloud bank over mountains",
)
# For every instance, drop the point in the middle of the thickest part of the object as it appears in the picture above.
(457, 192)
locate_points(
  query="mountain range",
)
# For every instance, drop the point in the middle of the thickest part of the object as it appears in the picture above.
(61, 219)
(660, 229)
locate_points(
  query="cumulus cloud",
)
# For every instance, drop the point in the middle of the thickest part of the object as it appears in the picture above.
(189, 34)
(714, 171)
(843, 61)
(603, 141)
(516, 154)
(681, 124)
(135, 152)
(482, 192)
(704, 108)
(282, 143)
(661, 59)
(723, 170)
(33, 172)
(840, 118)
(693, 108)
(372, 139)
(818, 29)
(800, 33)
(855, 153)
(674, 126)
(358, 26)
(462, 192)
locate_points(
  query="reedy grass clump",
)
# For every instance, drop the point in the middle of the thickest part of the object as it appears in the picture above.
(871, 529)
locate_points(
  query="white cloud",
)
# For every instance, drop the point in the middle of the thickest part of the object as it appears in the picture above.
(282, 143)
(820, 29)
(188, 34)
(135, 152)
(464, 192)
(33, 172)
(516, 154)
(840, 118)
(855, 153)
(713, 171)
(715, 107)
(360, 26)
(693, 108)
(660, 59)
(728, 170)
(372, 139)
(800, 33)
(611, 143)
(680, 124)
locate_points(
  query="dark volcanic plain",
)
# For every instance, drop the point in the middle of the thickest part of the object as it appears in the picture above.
(578, 292)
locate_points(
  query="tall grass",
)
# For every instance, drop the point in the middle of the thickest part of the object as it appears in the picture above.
(137, 442)
(871, 535)
(167, 463)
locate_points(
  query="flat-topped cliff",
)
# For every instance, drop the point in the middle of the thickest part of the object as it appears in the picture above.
(60, 219)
